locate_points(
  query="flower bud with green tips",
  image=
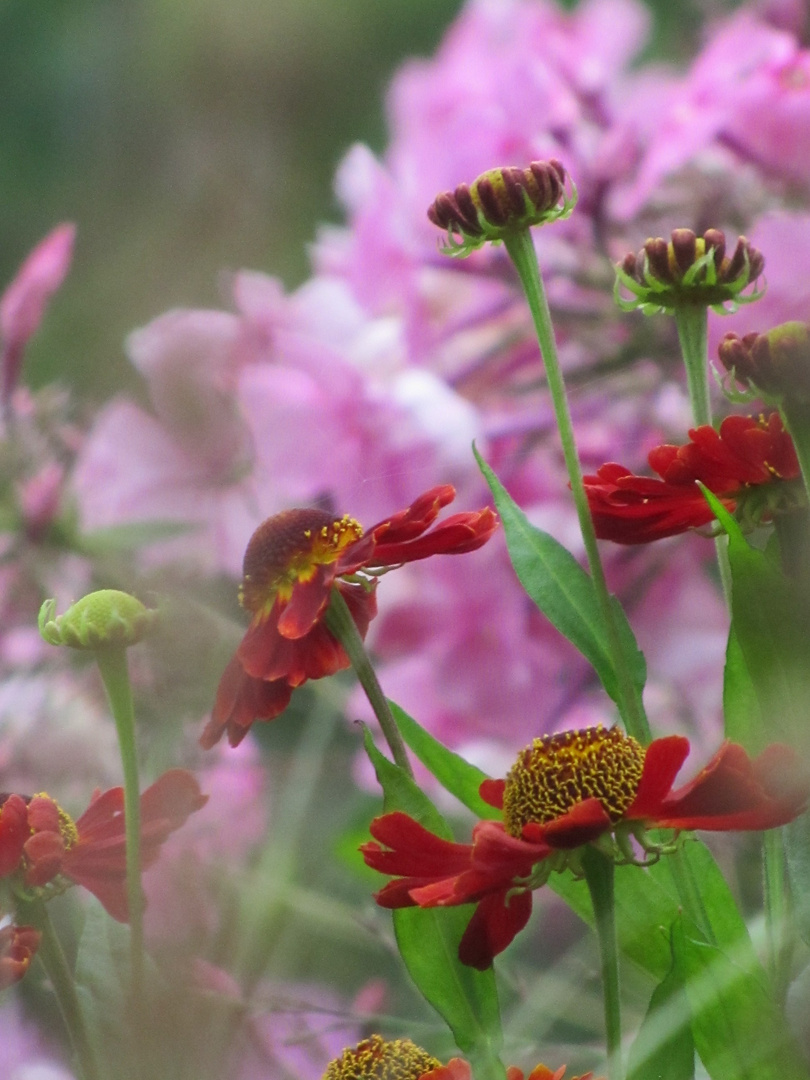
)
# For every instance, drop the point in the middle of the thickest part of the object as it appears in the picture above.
(501, 202)
(104, 619)
(689, 270)
(774, 366)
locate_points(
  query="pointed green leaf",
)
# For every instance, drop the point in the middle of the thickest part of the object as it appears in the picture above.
(663, 1047)
(428, 939)
(770, 623)
(455, 774)
(742, 717)
(739, 1032)
(564, 592)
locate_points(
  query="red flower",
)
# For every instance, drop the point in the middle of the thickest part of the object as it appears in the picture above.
(376, 1058)
(292, 563)
(749, 464)
(564, 791)
(18, 944)
(41, 841)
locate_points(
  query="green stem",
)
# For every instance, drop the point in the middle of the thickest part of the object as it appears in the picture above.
(776, 910)
(521, 251)
(599, 875)
(56, 967)
(340, 622)
(692, 321)
(796, 418)
(112, 663)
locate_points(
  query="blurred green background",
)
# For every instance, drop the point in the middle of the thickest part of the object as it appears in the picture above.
(185, 137)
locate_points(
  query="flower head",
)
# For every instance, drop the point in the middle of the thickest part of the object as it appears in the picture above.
(688, 269)
(376, 1058)
(564, 791)
(292, 563)
(40, 841)
(750, 464)
(775, 365)
(500, 202)
(105, 618)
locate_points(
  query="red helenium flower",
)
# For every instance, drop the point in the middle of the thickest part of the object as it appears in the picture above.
(40, 841)
(292, 563)
(376, 1058)
(751, 460)
(566, 790)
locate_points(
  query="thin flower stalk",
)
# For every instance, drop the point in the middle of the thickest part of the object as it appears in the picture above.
(521, 250)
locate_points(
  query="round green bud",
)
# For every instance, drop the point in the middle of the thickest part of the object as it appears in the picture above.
(104, 619)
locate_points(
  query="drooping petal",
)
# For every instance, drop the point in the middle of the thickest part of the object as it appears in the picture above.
(495, 923)
(14, 831)
(240, 701)
(735, 793)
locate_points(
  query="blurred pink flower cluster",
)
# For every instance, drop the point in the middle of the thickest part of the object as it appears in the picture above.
(369, 383)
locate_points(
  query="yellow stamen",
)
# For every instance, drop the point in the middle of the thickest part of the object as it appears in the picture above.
(376, 1059)
(287, 549)
(558, 771)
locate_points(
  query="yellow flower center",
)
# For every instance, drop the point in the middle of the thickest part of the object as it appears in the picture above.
(376, 1059)
(558, 771)
(287, 549)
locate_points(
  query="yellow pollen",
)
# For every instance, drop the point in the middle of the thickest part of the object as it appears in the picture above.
(558, 771)
(377, 1059)
(287, 549)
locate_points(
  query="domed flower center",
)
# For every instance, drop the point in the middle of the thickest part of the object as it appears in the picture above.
(376, 1059)
(287, 549)
(558, 771)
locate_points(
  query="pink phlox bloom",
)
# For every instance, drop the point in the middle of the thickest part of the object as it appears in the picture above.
(23, 304)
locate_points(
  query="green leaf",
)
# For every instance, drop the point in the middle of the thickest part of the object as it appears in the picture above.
(649, 898)
(564, 592)
(770, 623)
(455, 774)
(741, 713)
(428, 939)
(664, 1047)
(739, 1032)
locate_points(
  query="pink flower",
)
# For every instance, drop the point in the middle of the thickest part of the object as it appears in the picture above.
(23, 304)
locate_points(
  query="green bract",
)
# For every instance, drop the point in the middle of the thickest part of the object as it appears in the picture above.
(99, 620)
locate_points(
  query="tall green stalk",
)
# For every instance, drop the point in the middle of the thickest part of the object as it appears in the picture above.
(57, 969)
(112, 663)
(692, 321)
(599, 876)
(520, 248)
(340, 622)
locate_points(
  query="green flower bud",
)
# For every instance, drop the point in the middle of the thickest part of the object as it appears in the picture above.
(689, 269)
(99, 620)
(501, 202)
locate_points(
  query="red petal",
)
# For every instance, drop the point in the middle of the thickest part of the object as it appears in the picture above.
(582, 823)
(14, 832)
(414, 851)
(491, 791)
(662, 763)
(493, 926)
(308, 600)
(733, 793)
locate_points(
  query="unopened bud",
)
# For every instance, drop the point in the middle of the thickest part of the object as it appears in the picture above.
(99, 620)
(501, 202)
(776, 365)
(688, 269)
